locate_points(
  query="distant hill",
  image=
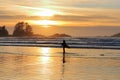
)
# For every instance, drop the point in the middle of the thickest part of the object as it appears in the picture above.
(59, 35)
(3, 31)
(116, 35)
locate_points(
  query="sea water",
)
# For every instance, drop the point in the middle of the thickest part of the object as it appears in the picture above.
(91, 42)
(45, 63)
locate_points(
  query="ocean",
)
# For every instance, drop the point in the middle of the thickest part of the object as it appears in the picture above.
(41, 59)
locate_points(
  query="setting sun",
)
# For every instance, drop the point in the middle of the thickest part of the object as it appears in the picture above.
(45, 17)
(45, 12)
(44, 23)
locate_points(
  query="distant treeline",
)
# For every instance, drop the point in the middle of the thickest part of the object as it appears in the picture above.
(20, 29)
(24, 29)
(3, 31)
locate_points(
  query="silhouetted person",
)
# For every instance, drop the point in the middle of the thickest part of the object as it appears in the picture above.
(64, 45)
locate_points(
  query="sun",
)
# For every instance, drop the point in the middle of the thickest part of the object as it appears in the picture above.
(46, 16)
(45, 13)
(45, 23)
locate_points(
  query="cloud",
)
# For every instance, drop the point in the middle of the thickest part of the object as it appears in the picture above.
(81, 18)
(65, 3)
(19, 17)
(60, 17)
(77, 11)
(89, 3)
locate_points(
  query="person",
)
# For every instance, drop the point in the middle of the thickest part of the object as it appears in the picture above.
(64, 44)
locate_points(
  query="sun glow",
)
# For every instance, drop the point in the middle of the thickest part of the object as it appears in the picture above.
(45, 16)
(44, 23)
(45, 12)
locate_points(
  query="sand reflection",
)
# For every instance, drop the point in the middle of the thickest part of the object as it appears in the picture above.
(45, 55)
(34, 63)
(45, 50)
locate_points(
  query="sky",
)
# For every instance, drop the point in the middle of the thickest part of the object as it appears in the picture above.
(74, 17)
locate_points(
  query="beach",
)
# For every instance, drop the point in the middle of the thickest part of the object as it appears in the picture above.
(44, 63)
(59, 40)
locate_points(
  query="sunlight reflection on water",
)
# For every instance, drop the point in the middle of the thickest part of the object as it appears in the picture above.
(23, 63)
(46, 52)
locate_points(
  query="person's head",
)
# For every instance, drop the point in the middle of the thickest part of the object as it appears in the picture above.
(63, 41)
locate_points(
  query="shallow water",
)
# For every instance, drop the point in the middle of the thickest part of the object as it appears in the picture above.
(34, 63)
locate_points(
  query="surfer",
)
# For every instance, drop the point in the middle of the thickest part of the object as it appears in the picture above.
(64, 45)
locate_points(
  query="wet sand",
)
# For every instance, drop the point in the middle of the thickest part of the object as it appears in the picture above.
(46, 64)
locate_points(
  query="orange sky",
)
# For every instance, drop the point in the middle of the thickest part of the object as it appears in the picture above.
(69, 13)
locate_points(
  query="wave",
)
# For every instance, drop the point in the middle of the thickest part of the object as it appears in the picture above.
(96, 42)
